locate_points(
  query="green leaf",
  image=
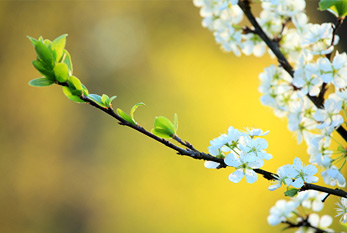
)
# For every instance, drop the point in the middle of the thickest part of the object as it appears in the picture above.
(175, 122)
(160, 133)
(85, 90)
(69, 94)
(61, 72)
(58, 46)
(105, 100)
(75, 85)
(125, 116)
(44, 70)
(291, 192)
(33, 41)
(67, 61)
(132, 110)
(337, 7)
(44, 54)
(111, 99)
(164, 126)
(40, 82)
(48, 44)
(97, 99)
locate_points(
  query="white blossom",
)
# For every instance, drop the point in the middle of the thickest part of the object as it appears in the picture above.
(329, 116)
(243, 167)
(281, 211)
(320, 222)
(303, 173)
(318, 38)
(311, 199)
(254, 148)
(335, 71)
(333, 177)
(342, 210)
(284, 175)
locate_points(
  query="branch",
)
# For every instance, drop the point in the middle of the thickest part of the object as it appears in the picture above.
(245, 6)
(195, 154)
(303, 223)
(336, 192)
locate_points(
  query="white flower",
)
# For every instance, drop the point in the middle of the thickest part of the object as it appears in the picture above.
(230, 39)
(333, 177)
(277, 89)
(318, 150)
(318, 38)
(284, 175)
(329, 117)
(254, 148)
(335, 71)
(291, 45)
(256, 132)
(234, 134)
(270, 23)
(300, 21)
(303, 173)
(306, 79)
(243, 167)
(253, 44)
(311, 199)
(342, 210)
(315, 221)
(285, 8)
(217, 144)
(298, 122)
(281, 211)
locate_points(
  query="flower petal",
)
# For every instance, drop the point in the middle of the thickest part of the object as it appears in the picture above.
(232, 160)
(236, 176)
(211, 164)
(298, 183)
(251, 176)
(310, 170)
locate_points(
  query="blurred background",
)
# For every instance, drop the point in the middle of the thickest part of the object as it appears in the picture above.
(69, 168)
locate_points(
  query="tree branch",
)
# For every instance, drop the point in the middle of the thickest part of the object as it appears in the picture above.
(194, 153)
(303, 223)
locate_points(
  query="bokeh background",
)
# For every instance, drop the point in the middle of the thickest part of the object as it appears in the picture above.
(69, 168)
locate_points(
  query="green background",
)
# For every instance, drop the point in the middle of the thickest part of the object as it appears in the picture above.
(69, 168)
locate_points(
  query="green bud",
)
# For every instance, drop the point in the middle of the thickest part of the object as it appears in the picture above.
(61, 72)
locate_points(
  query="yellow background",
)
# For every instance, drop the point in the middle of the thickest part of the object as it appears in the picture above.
(69, 168)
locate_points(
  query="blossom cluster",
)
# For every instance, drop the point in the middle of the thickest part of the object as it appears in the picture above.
(306, 46)
(289, 211)
(312, 96)
(296, 175)
(244, 151)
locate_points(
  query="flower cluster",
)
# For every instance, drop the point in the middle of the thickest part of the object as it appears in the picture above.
(308, 47)
(244, 151)
(312, 96)
(289, 211)
(296, 175)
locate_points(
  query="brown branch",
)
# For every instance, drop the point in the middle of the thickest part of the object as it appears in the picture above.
(195, 154)
(303, 223)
